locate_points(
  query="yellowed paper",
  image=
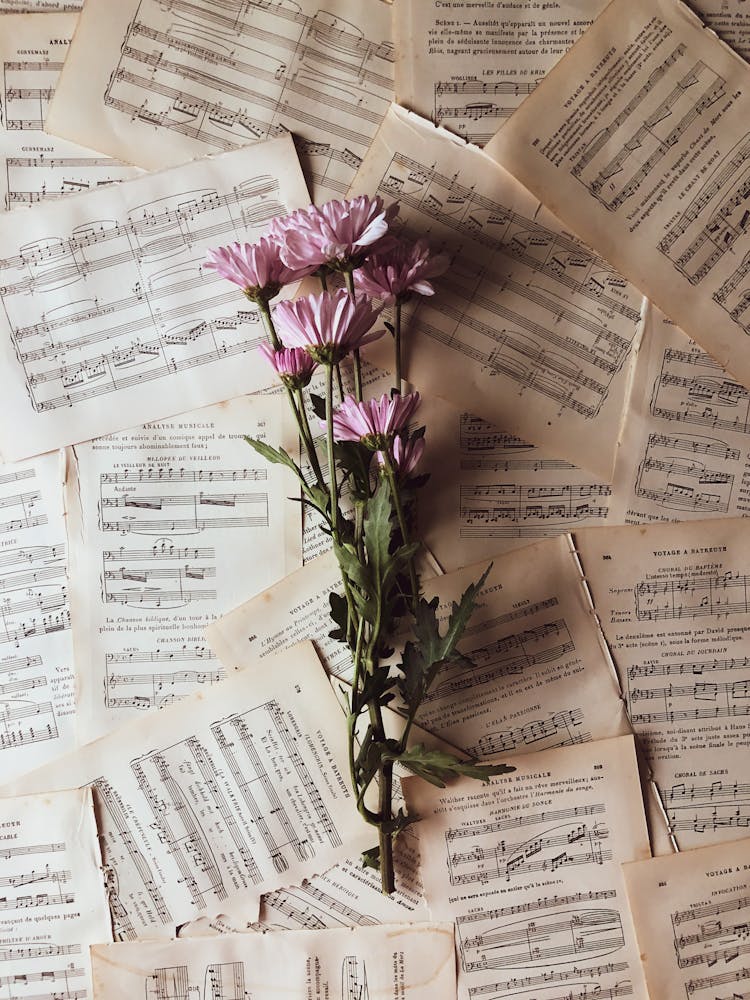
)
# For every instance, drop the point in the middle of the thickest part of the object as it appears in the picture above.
(691, 915)
(685, 448)
(529, 869)
(230, 793)
(53, 900)
(529, 330)
(638, 141)
(170, 525)
(156, 84)
(380, 963)
(34, 6)
(109, 319)
(672, 603)
(34, 166)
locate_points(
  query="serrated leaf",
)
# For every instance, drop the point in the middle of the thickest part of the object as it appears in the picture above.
(277, 456)
(318, 406)
(437, 767)
(378, 533)
(371, 858)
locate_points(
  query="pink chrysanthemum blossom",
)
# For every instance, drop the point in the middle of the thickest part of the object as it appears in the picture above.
(256, 267)
(399, 272)
(374, 422)
(407, 455)
(328, 325)
(293, 365)
(336, 235)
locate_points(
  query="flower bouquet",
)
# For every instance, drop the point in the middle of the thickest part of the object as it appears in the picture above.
(371, 455)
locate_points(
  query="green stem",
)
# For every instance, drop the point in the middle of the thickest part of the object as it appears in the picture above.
(391, 477)
(385, 839)
(340, 383)
(349, 275)
(333, 485)
(323, 281)
(265, 313)
(307, 437)
(397, 344)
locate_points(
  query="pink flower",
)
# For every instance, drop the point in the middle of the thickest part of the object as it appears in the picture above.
(395, 274)
(335, 235)
(293, 365)
(256, 267)
(374, 422)
(327, 325)
(407, 455)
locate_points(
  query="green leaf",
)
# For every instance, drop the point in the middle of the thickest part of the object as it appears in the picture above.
(438, 767)
(318, 405)
(277, 456)
(340, 615)
(378, 533)
(371, 858)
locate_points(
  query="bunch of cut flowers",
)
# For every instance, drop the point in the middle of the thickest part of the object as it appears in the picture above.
(371, 453)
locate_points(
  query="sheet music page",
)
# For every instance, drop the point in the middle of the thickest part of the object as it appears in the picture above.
(53, 903)
(673, 603)
(157, 83)
(33, 165)
(38, 6)
(541, 676)
(730, 19)
(638, 140)
(529, 869)
(691, 914)
(235, 791)
(170, 525)
(379, 963)
(685, 448)
(530, 330)
(108, 318)
(491, 491)
(37, 682)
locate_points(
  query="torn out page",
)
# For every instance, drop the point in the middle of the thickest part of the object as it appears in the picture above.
(529, 329)
(379, 963)
(37, 682)
(108, 317)
(170, 525)
(53, 900)
(540, 677)
(638, 140)
(691, 914)
(685, 453)
(156, 83)
(489, 491)
(234, 791)
(34, 166)
(529, 869)
(673, 602)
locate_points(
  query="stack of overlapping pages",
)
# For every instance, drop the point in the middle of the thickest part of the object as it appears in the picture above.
(175, 817)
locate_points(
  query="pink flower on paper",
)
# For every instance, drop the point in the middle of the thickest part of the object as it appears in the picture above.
(407, 455)
(293, 365)
(374, 422)
(335, 235)
(328, 325)
(256, 267)
(404, 269)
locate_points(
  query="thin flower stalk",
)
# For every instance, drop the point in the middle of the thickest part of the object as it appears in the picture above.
(357, 359)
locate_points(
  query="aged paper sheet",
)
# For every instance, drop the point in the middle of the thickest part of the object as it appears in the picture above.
(685, 452)
(673, 603)
(37, 682)
(157, 83)
(34, 166)
(533, 640)
(379, 963)
(53, 900)
(38, 6)
(108, 318)
(530, 330)
(263, 753)
(529, 869)
(638, 140)
(692, 914)
(490, 491)
(170, 525)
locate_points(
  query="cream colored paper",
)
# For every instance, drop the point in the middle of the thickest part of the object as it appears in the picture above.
(529, 869)
(529, 329)
(379, 963)
(34, 166)
(109, 319)
(673, 605)
(730, 19)
(638, 140)
(38, 6)
(228, 794)
(541, 676)
(37, 683)
(53, 901)
(170, 525)
(159, 83)
(691, 915)
(489, 491)
(685, 448)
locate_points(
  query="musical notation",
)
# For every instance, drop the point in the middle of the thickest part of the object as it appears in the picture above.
(710, 935)
(354, 979)
(467, 106)
(127, 686)
(678, 482)
(311, 908)
(196, 71)
(561, 729)
(719, 806)
(154, 579)
(221, 981)
(529, 511)
(692, 597)
(580, 976)
(485, 449)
